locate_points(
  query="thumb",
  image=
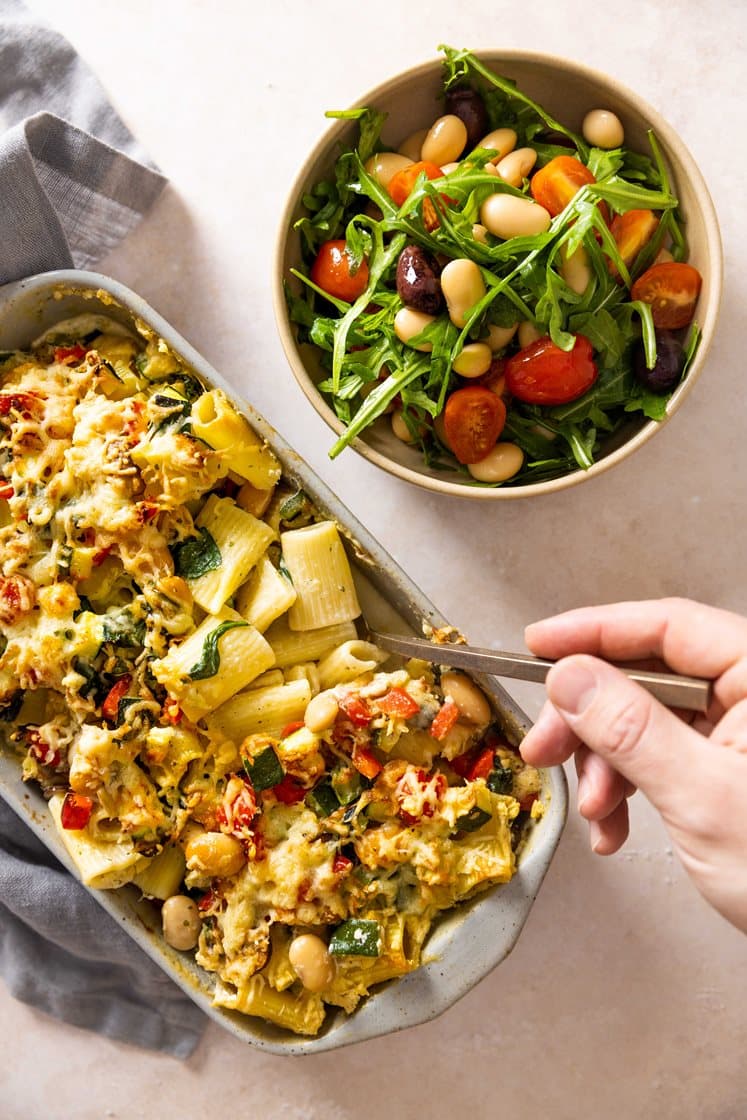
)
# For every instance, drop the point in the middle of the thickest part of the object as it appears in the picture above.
(621, 722)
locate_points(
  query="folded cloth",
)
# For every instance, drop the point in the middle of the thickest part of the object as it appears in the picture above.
(73, 181)
(70, 189)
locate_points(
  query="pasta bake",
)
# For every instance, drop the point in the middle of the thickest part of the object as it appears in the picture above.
(183, 676)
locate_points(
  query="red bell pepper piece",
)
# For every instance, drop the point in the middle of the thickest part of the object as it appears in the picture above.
(76, 811)
(341, 864)
(110, 707)
(356, 709)
(397, 702)
(289, 728)
(365, 762)
(288, 791)
(65, 353)
(6, 492)
(445, 719)
(482, 765)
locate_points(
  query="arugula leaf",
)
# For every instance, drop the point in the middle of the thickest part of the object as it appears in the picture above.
(209, 662)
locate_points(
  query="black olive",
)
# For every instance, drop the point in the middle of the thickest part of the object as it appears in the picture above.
(418, 281)
(468, 105)
(670, 358)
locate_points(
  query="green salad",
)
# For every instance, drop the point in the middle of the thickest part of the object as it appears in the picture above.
(505, 292)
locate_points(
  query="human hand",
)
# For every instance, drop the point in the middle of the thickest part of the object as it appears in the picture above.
(694, 774)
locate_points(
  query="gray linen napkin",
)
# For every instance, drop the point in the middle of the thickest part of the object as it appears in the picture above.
(68, 193)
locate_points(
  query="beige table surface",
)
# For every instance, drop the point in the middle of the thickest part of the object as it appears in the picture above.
(625, 996)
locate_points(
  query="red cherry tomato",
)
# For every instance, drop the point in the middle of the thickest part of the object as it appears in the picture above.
(672, 289)
(400, 188)
(331, 272)
(555, 184)
(632, 231)
(473, 419)
(544, 374)
(76, 811)
(288, 791)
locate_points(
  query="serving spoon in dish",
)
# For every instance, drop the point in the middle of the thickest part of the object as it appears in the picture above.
(676, 691)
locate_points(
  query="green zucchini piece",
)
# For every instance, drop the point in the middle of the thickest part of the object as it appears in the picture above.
(357, 937)
(322, 799)
(265, 770)
(500, 780)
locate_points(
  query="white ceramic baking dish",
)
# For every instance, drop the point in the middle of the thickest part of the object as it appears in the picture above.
(467, 943)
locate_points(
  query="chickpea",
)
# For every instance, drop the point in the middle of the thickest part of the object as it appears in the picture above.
(474, 360)
(499, 337)
(502, 462)
(603, 129)
(408, 323)
(471, 701)
(181, 922)
(383, 166)
(575, 269)
(528, 333)
(503, 140)
(506, 216)
(311, 961)
(462, 286)
(215, 854)
(321, 711)
(412, 145)
(445, 141)
(515, 167)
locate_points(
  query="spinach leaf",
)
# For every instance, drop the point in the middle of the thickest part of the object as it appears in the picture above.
(197, 555)
(209, 662)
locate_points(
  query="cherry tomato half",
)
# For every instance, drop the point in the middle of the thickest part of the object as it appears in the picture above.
(632, 232)
(555, 184)
(672, 289)
(76, 811)
(542, 373)
(473, 418)
(401, 185)
(331, 272)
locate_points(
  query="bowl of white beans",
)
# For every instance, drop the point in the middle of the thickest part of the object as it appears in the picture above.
(498, 275)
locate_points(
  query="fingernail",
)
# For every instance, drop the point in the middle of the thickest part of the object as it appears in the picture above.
(571, 687)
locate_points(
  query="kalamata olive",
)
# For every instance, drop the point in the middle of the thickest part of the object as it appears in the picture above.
(670, 358)
(468, 105)
(418, 282)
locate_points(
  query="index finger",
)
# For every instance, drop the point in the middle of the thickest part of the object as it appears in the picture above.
(690, 637)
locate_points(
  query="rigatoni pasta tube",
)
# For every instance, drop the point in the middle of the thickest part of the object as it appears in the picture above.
(240, 540)
(100, 865)
(216, 421)
(291, 647)
(348, 661)
(266, 710)
(222, 656)
(321, 575)
(265, 596)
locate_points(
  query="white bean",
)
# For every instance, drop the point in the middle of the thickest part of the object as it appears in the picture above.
(505, 215)
(515, 167)
(528, 333)
(408, 322)
(181, 922)
(575, 269)
(383, 166)
(321, 712)
(215, 853)
(663, 257)
(412, 145)
(474, 360)
(502, 462)
(311, 961)
(603, 129)
(445, 141)
(503, 140)
(462, 286)
(471, 701)
(480, 233)
(498, 337)
(400, 429)
(447, 168)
